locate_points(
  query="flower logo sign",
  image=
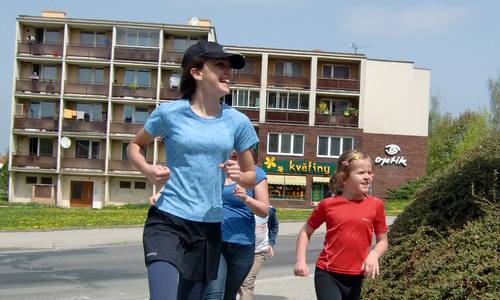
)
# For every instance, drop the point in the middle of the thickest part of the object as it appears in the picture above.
(392, 159)
(270, 162)
(273, 165)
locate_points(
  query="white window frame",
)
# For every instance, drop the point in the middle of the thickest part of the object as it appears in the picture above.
(332, 72)
(235, 93)
(92, 74)
(284, 70)
(280, 135)
(150, 33)
(331, 102)
(95, 34)
(278, 95)
(342, 150)
(91, 143)
(136, 76)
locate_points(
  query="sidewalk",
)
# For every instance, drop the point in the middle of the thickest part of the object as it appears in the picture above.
(83, 238)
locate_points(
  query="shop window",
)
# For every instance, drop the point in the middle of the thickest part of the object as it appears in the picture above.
(287, 192)
(333, 146)
(140, 185)
(31, 180)
(320, 191)
(125, 184)
(285, 144)
(46, 180)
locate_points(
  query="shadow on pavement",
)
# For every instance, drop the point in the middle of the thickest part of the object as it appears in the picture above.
(268, 297)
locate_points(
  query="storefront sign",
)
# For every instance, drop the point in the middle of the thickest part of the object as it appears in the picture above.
(392, 159)
(297, 166)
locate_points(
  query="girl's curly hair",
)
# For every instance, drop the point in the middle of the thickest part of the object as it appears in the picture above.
(343, 169)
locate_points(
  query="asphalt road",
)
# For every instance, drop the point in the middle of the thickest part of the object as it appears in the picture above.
(117, 272)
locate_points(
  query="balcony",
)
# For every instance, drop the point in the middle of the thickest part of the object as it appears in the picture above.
(126, 128)
(338, 84)
(82, 163)
(287, 116)
(137, 54)
(251, 113)
(84, 126)
(87, 51)
(34, 161)
(288, 81)
(247, 79)
(40, 49)
(121, 90)
(25, 122)
(167, 93)
(336, 120)
(172, 56)
(38, 86)
(85, 88)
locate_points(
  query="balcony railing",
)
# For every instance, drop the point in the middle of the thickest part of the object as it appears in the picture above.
(287, 116)
(137, 54)
(82, 163)
(249, 79)
(40, 49)
(25, 122)
(85, 88)
(118, 164)
(251, 113)
(172, 56)
(169, 94)
(338, 84)
(38, 86)
(336, 120)
(34, 161)
(84, 126)
(288, 81)
(127, 128)
(88, 51)
(139, 92)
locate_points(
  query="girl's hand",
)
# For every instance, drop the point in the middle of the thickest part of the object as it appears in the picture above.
(241, 193)
(232, 169)
(157, 174)
(370, 266)
(270, 251)
(301, 269)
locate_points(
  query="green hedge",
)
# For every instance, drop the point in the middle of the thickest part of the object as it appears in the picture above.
(445, 244)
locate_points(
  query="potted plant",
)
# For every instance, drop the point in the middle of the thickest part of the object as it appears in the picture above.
(351, 111)
(323, 109)
(133, 86)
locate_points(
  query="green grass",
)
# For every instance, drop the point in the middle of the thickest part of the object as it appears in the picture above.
(23, 217)
(394, 207)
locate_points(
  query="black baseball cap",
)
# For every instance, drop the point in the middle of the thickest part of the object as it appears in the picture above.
(204, 49)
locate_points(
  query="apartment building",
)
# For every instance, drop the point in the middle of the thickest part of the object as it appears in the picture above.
(82, 88)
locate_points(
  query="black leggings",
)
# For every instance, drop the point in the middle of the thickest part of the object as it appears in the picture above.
(335, 286)
(163, 285)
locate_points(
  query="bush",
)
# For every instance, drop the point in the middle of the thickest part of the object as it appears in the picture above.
(407, 190)
(445, 243)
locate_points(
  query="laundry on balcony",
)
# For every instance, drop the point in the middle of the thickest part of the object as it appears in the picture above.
(69, 113)
(80, 115)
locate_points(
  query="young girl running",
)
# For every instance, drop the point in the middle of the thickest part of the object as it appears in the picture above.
(351, 216)
(182, 234)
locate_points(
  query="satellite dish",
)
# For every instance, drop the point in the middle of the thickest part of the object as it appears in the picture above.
(193, 21)
(65, 142)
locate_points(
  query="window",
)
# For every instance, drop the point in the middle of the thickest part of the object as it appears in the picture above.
(181, 43)
(40, 146)
(249, 68)
(133, 114)
(125, 184)
(135, 37)
(333, 146)
(334, 106)
(336, 71)
(93, 112)
(243, 98)
(124, 151)
(288, 69)
(94, 39)
(51, 36)
(140, 185)
(49, 73)
(31, 180)
(42, 109)
(288, 100)
(285, 144)
(141, 77)
(46, 180)
(91, 75)
(87, 149)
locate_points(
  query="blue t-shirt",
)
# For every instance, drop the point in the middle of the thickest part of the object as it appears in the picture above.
(195, 147)
(239, 222)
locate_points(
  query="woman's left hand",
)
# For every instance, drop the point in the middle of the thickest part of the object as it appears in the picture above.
(241, 193)
(371, 266)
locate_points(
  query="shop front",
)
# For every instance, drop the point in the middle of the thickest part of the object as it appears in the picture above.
(297, 182)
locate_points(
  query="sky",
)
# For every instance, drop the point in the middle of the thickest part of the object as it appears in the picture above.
(458, 40)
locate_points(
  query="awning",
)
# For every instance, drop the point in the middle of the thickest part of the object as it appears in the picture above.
(321, 179)
(286, 180)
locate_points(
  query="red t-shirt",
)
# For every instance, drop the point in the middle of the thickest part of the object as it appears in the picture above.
(349, 229)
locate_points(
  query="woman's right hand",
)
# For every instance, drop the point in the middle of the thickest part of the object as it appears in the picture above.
(157, 174)
(301, 269)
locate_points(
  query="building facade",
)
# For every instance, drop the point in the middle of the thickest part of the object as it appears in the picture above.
(82, 88)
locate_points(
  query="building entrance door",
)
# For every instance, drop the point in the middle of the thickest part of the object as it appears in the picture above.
(81, 194)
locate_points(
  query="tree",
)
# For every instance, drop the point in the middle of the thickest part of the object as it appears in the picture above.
(494, 87)
(434, 113)
(4, 180)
